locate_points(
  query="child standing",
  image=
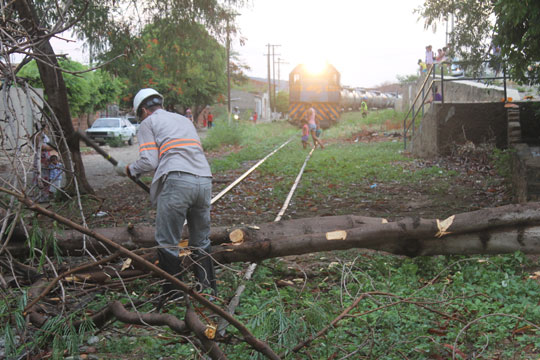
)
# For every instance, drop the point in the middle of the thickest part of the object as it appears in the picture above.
(210, 119)
(313, 124)
(305, 133)
(56, 173)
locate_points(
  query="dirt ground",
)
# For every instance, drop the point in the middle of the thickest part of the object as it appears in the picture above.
(252, 201)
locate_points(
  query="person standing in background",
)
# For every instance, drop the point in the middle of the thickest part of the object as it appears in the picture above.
(305, 132)
(189, 115)
(210, 119)
(422, 67)
(429, 56)
(41, 173)
(56, 173)
(313, 124)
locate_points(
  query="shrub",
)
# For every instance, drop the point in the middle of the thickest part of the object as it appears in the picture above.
(223, 134)
(115, 141)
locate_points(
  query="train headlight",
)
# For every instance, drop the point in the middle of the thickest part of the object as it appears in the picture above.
(316, 66)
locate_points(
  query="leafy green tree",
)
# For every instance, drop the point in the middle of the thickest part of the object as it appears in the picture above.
(282, 102)
(32, 23)
(406, 79)
(87, 91)
(183, 62)
(513, 25)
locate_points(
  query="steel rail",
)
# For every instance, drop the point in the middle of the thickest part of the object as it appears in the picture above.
(235, 301)
(243, 176)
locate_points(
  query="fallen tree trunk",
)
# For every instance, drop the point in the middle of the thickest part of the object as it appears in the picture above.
(499, 230)
(391, 240)
(488, 231)
(134, 237)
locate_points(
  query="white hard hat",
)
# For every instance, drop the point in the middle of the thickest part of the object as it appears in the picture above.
(142, 95)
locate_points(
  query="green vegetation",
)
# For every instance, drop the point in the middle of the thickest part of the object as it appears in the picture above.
(282, 102)
(380, 120)
(481, 25)
(502, 159)
(255, 141)
(414, 308)
(87, 91)
(192, 74)
(115, 141)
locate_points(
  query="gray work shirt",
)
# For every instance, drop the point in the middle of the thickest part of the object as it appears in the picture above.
(168, 142)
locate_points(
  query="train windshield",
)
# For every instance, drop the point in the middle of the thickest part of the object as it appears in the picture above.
(314, 90)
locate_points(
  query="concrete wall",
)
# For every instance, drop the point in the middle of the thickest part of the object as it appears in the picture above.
(530, 122)
(455, 123)
(445, 125)
(526, 173)
(474, 91)
(19, 111)
(250, 102)
(459, 91)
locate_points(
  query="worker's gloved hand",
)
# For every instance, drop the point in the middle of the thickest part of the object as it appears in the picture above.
(122, 169)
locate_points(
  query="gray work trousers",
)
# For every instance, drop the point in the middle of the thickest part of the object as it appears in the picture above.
(184, 197)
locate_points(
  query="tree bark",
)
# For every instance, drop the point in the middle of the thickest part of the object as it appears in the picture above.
(56, 93)
(133, 237)
(489, 231)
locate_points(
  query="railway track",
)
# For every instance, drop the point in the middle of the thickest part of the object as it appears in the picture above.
(235, 301)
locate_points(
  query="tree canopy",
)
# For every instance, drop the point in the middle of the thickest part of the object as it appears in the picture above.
(480, 26)
(182, 62)
(87, 91)
(27, 28)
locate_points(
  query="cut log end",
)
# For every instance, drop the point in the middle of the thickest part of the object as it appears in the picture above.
(237, 236)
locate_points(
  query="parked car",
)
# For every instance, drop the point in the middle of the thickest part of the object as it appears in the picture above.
(104, 129)
(456, 70)
(134, 121)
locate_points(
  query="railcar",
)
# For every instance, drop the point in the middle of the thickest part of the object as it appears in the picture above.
(324, 92)
(321, 89)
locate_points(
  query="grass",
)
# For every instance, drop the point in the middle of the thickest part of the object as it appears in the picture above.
(254, 142)
(423, 307)
(378, 120)
(465, 289)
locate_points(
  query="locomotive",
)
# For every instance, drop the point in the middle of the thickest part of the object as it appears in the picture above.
(324, 92)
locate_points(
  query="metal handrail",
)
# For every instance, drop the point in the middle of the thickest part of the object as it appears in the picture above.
(420, 91)
(442, 80)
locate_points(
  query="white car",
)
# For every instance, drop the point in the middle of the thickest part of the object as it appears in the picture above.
(104, 129)
(134, 121)
(456, 69)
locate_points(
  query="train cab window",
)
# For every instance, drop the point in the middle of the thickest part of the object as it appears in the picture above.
(296, 78)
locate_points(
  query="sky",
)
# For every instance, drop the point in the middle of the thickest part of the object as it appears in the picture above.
(368, 42)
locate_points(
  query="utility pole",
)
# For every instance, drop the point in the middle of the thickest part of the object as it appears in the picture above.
(228, 74)
(269, 78)
(279, 62)
(274, 74)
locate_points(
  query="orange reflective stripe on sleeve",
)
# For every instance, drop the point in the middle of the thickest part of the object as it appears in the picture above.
(179, 140)
(148, 146)
(178, 143)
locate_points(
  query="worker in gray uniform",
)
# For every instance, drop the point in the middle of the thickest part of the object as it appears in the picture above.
(181, 188)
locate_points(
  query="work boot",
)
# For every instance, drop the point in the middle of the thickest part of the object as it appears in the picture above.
(172, 265)
(203, 268)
